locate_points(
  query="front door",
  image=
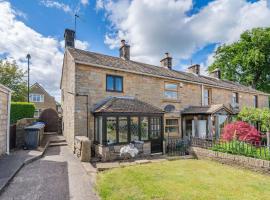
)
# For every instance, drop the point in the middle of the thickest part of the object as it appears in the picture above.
(156, 134)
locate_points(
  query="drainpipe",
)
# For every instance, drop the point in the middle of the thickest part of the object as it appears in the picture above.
(202, 95)
(8, 122)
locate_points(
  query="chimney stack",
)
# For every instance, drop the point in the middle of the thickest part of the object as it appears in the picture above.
(69, 38)
(124, 50)
(216, 73)
(166, 62)
(195, 69)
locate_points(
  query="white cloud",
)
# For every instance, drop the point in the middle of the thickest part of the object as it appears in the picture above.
(99, 4)
(78, 44)
(84, 2)
(57, 5)
(154, 27)
(17, 40)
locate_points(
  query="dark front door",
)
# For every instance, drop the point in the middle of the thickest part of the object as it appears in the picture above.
(156, 134)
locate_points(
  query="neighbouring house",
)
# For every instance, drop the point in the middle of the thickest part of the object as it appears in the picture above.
(5, 100)
(114, 100)
(42, 100)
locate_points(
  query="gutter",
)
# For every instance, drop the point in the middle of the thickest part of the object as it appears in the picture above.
(8, 121)
(164, 77)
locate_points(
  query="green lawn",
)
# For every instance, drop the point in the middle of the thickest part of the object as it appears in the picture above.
(183, 179)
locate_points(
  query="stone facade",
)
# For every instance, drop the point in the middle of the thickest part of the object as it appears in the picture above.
(49, 101)
(91, 80)
(4, 113)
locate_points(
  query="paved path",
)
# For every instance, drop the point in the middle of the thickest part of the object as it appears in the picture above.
(11, 164)
(57, 176)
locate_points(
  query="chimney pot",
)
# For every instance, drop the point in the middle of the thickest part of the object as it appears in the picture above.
(166, 62)
(69, 36)
(124, 50)
(216, 73)
(195, 69)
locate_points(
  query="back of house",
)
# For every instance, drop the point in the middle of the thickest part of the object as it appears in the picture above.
(115, 101)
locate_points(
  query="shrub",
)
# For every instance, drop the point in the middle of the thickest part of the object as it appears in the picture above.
(241, 131)
(20, 110)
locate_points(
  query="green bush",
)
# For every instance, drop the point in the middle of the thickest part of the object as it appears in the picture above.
(20, 110)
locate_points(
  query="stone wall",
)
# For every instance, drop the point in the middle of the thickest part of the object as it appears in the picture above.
(3, 121)
(247, 162)
(92, 81)
(68, 99)
(106, 155)
(20, 132)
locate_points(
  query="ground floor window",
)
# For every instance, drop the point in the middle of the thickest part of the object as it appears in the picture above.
(125, 129)
(37, 113)
(172, 127)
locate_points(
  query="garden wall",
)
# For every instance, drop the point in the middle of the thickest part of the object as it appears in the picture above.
(247, 162)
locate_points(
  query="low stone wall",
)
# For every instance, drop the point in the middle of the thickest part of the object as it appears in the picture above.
(106, 155)
(243, 161)
(20, 125)
(82, 148)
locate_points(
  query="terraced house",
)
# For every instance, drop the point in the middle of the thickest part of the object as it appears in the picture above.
(114, 100)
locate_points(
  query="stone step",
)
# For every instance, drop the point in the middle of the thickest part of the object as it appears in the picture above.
(58, 144)
(58, 141)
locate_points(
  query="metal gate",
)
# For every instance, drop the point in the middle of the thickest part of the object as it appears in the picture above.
(51, 119)
(178, 147)
(12, 136)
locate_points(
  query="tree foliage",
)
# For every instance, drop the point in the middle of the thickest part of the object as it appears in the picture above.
(254, 115)
(13, 77)
(246, 61)
(241, 131)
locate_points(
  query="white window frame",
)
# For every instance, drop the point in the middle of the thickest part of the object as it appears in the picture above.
(174, 125)
(171, 90)
(38, 98)
(206, 100)
(37, 111)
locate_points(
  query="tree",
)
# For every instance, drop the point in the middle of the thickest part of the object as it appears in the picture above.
(241, 131)
(13, 77)
(246, 61)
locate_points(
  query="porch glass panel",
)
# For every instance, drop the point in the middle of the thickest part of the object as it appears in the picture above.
(134, 128)
(111, 130)
(123, 129)
(144, 128)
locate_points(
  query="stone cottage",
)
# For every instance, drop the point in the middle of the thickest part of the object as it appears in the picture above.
(42, 100)
(5, 100)
(114, 100)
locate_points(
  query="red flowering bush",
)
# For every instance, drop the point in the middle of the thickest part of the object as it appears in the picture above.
(241, 131)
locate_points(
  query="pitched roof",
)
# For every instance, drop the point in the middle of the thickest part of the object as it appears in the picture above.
(205, 109)
(125, 105)
(96, 59)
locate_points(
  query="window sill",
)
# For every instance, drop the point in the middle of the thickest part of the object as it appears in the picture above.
(172, 100)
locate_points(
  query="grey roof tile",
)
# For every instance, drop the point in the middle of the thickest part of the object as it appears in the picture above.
(88, 57)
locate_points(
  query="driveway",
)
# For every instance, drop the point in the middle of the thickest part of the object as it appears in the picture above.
(57, 176)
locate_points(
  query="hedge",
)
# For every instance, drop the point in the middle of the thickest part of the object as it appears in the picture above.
(20, 110)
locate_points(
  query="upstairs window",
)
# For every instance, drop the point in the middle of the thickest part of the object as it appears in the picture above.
(206, 97)
(235, 99)
(114, 83)
(171, 91)
(36, 98)
(255, 101)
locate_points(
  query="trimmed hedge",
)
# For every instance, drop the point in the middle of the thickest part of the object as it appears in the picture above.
(20, 110)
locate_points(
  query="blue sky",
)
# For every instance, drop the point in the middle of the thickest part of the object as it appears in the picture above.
(189, 30)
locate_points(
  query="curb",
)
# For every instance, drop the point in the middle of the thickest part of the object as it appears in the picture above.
(26, 162)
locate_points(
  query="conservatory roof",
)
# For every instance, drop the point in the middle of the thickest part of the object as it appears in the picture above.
(125, 105)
